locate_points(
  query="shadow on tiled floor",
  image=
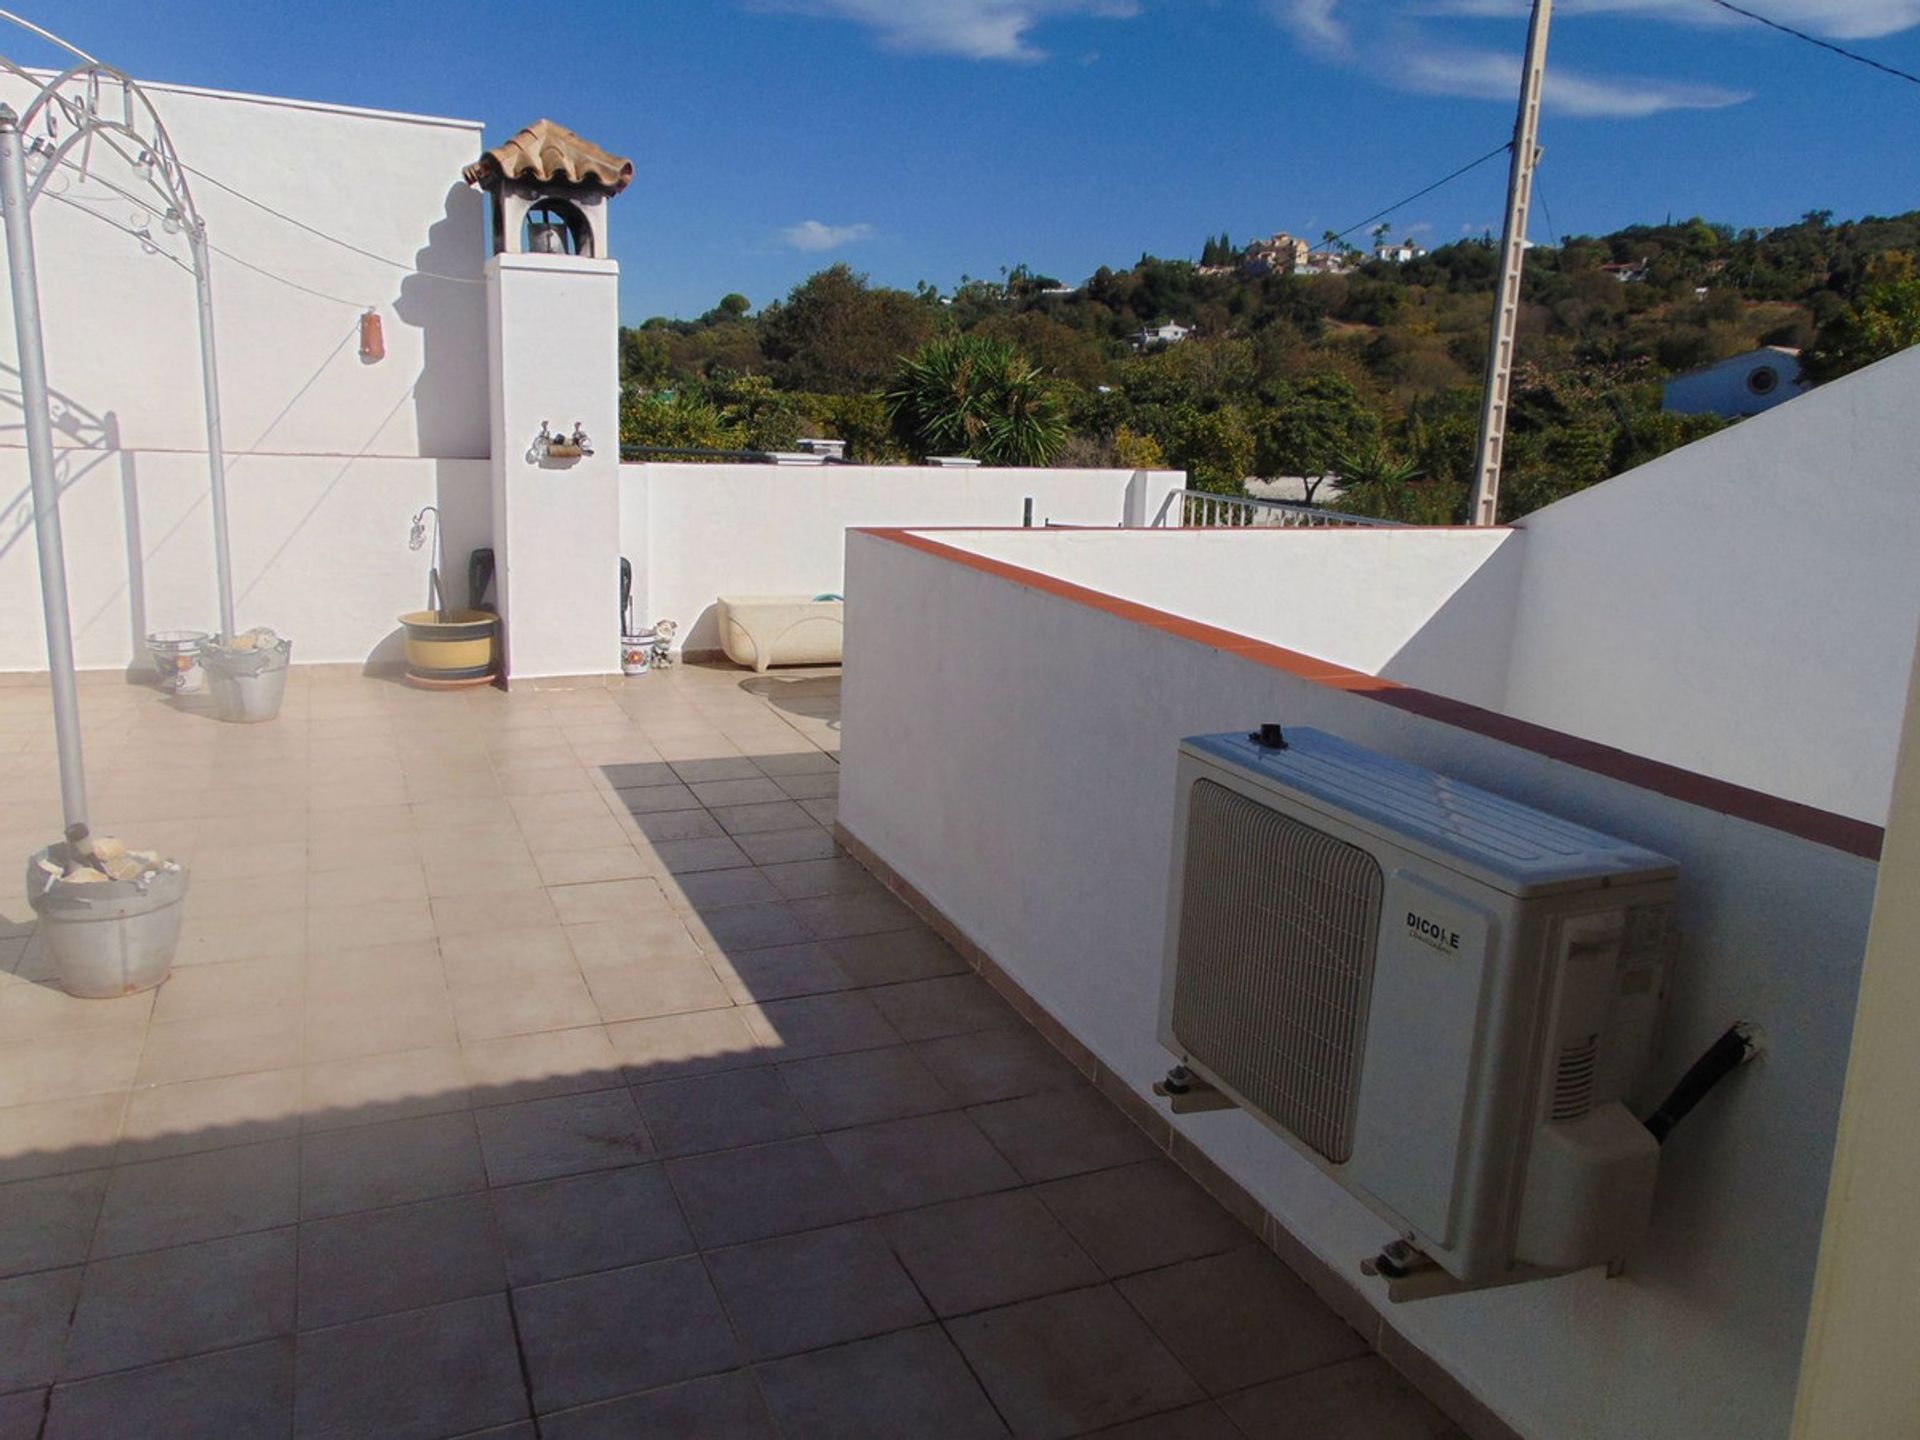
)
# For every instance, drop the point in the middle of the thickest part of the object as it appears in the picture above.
(543, 1057)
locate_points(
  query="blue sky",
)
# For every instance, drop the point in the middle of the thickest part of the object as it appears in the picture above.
(924, 139)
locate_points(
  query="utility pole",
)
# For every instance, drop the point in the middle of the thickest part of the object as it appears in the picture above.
(1513, 249)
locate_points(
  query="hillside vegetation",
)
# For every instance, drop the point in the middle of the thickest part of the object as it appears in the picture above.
(1370, 376)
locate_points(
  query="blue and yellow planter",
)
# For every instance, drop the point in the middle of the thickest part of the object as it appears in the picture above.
(450, 649)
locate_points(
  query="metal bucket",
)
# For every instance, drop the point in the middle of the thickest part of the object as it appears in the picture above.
(113, 938)
(247, 685)
(176, 659)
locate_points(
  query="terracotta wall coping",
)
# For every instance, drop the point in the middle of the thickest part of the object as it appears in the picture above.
(1807, 822)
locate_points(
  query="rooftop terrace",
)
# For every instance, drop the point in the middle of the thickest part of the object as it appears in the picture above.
(543, 1056)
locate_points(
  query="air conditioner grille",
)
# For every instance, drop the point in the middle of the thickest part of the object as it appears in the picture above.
(1278, 928)
(1574, 1078)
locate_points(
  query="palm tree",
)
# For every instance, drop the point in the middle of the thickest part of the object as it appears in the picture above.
(977, 396)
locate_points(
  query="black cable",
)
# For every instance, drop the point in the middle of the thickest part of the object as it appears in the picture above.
(1723, 1057)
(1443, 180)
(1839, 50)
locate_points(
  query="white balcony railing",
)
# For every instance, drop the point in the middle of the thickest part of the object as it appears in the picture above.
(1202, 509)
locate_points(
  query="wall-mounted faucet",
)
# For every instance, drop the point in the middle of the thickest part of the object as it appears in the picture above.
(549, 446)
(416, 538)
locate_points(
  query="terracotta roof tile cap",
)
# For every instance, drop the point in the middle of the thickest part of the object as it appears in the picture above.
(545, 152)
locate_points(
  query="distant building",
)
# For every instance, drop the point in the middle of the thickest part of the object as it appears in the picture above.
(1401, 254)
(1284, 254)
(1743, 385)
(1627, 274)
(1326, 262)
(1155, 336)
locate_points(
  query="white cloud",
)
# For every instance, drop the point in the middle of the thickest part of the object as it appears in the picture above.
(1488, 75)
(812, 236)
(973, 29)
(1315, 22)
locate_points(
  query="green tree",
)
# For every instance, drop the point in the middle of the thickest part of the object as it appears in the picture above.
(1214, 447)
(646, 357)
(836, 333)
(1884, 321)
(1311, 423)
(977, 396)
(672, 420)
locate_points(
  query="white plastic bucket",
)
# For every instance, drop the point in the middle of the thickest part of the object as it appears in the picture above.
(116, 937)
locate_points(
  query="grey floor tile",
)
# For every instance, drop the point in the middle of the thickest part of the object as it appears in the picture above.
(682, 857)
(1051, 1364)
(818, 1288)
(781, 847)
(539, 1139)
(167, 1304)
(33, 1325)
(602, 1220)
(912, 1382)
(1195, 1422)
(1141, 1217)
(998, 1065)
(832, 917)
(820, 1025)
(720, 1112)
(1362, 1397)
(719, 1407)
(199, 1197)
(708, 890)
(1062, 1132)
(599, 1336)
(946, 1005)
(904, 1164)
(780, 972)
(894, 957)
(733, 1196)
(49, 1222)
(837, 1091)
(730, 929)
(988, 1250)
(420, 1375)
(762, 818)
(242, 1394)
(21, 1414)
(1240, 1319)
(801, 879)
(393, 1163)
(404, 1258)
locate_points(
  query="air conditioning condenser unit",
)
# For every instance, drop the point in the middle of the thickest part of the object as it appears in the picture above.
(1441, 997)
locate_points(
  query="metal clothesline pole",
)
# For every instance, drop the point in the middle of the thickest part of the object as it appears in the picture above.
(37, 417)
(216, 448)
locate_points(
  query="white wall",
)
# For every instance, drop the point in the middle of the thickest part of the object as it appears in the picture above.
(710, 530)
(1744, 606)
(1044, 835)
(1424, 607)
(329, 456)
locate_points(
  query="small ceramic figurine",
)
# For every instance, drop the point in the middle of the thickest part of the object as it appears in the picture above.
(663, 634)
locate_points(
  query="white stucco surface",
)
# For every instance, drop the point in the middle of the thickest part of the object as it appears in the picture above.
(329, 455)
(1045, 836)
(709, 530)
(1432, 608)
(1744, 606)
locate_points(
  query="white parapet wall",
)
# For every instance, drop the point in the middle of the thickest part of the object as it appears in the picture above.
(1745, 605)
(1009, 751)
(695, 532)
(330, 454)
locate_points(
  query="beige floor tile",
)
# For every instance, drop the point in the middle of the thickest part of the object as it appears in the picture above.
(248, 937)
(90, 1062)
(230, 1044)
(489, 1010)
(344, 1093)
(366, 885)
(584, 832)
(532, 1067)
(351, 851)
(374, 971)
(353, 927)
(699, 1043)
(338, 835)
(496, 957)
(638, 990)
(56, 1137)
(209, 1114)
(195, 992)
(606, 900)
(586, 867)
(236, 861)
(490, 914)
(349, 1027)
(657, 939)
(35, 1011)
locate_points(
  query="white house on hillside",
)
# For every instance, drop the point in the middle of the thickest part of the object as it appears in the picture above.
(1156, 335)
(1742, 385)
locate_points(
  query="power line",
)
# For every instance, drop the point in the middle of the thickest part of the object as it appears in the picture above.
(1841, 51)
(315, 231)
(1501, 149)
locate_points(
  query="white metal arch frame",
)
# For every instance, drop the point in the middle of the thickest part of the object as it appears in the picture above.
(139, 137)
